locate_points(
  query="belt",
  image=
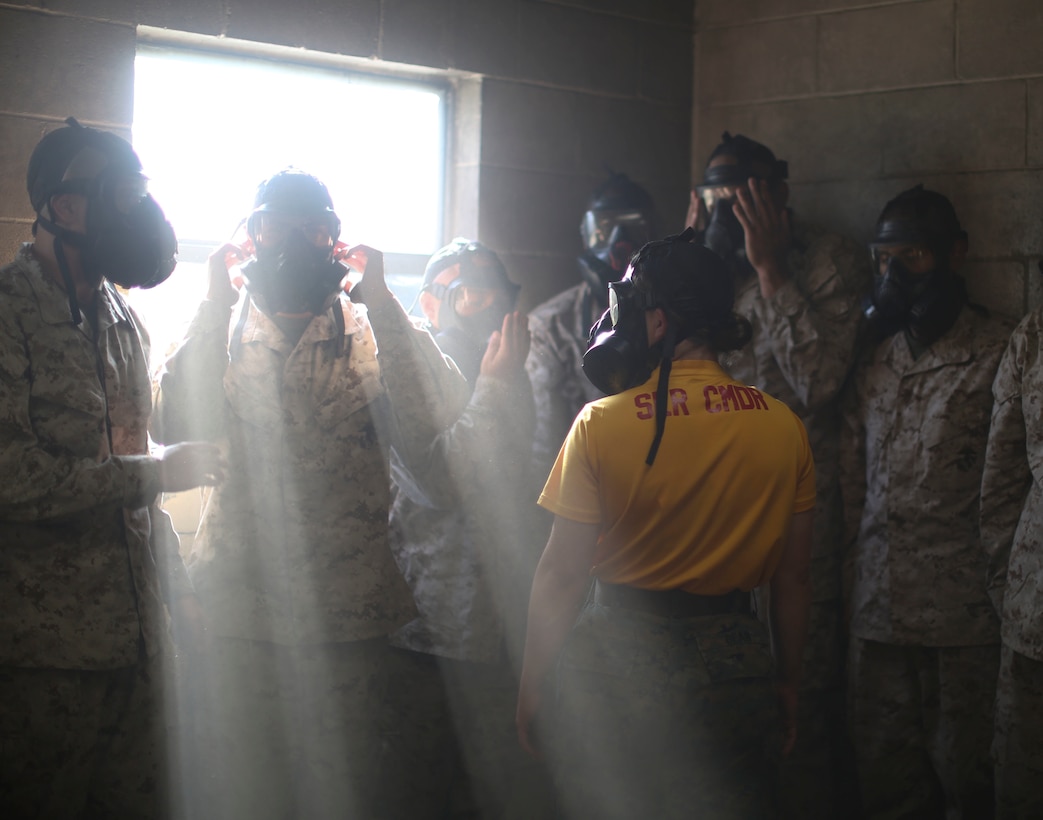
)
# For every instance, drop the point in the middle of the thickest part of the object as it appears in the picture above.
(670, 603)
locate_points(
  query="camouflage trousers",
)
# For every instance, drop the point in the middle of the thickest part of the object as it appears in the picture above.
(493, 777)
(80, 744)
(663, 717)
(315, 732)
(1017, 745)
(921, 722)
(817, 780)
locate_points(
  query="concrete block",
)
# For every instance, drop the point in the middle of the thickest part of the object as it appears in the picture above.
(642, 139)
(529, 126)
(969, 127)
(666, 60)
(18, 137)
(12, 235)
(729, 12)
(521, 210)
(1034, 142)
(673, 12)
(61, 66)
(1034, 284)
(998, 285)
(197, 16)
(323, 25)
(466, 122)
(848, 207)
(757, 62)
(416, 32)
(821, 138)
(485, 37)
(541, 275)
(577, 49)
(463, 214)
(886, 47)
(999, 39)
(1001, 211)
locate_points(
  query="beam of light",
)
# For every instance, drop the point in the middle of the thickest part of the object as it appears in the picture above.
(208, 128)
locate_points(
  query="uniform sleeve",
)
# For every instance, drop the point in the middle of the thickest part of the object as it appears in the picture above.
(554, 410)
(571, 490)
(493, 431)
(812, 322)
(190, 397)
(41, 483)
(852, 475)
(1007, 477)
(425, 390)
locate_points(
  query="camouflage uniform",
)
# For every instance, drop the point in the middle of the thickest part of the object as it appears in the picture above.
(291, 560)
(924, 636)
(469, 558)
(559, 327)
(84, 553)
(1011, 509)
(802, 350)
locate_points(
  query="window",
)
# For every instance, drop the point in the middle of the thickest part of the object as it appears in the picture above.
(209, 125)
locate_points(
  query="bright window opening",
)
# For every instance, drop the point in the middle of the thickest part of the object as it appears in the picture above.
(209, 127)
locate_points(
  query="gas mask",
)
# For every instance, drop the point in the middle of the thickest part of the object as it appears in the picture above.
(464, 338)
(296, 276)
(924, 304)
(611, 237)
(724, 234)
(127, 239)
(618, 355)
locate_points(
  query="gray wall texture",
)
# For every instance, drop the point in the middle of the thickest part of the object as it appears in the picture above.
(868, 98)
(566, 88)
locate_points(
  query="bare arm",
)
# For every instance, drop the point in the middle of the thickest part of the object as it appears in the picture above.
(562, 578)
(790, 603)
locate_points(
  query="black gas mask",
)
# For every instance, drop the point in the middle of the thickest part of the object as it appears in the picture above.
(295, 276)
(618, 355)
(925, 303)
(611, 238)
(724, 234)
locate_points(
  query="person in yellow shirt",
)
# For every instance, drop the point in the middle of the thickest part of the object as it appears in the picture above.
(678, 493)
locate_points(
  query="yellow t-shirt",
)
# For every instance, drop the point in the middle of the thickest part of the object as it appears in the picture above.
(710, 514)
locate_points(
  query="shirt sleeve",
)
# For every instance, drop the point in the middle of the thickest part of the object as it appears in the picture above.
(1006, 477)
(571, 490)
(805, 497)
(813, 321)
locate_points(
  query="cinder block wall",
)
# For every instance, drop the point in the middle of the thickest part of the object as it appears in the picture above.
(868, 98)
(567, 87)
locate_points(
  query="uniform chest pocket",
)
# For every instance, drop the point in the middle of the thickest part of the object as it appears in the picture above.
(335, 389)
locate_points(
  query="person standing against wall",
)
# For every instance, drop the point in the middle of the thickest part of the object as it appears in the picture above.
(924, 637)
(1011, 522)
(801, 289)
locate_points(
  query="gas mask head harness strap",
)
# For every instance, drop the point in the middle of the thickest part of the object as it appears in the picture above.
(924, 302)
(693, 287)
(126, 238)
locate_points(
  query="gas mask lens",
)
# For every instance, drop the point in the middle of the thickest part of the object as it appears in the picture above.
(912, 257)
(617, 295)
(711, 195)
(128, 192)
(277, 229)
(598, 227)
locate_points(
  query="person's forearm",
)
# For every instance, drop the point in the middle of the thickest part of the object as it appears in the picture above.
(553, 605)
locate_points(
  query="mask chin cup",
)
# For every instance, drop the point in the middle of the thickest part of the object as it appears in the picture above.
(614, 362)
